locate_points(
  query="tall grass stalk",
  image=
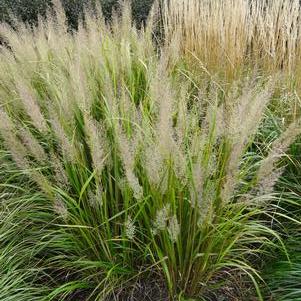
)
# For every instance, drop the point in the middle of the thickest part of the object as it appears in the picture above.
(228, 36)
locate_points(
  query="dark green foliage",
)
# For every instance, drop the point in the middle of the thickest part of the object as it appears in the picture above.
(141, 9)
(28, 11)
(284, 277)
(22, 9)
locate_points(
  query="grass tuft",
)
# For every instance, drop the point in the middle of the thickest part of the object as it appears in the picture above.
(120, 162)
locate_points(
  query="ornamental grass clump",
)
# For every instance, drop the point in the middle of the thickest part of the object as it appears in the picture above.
(228, 36)
(116, 165)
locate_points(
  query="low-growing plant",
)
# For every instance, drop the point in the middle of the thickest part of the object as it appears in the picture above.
(118, 166)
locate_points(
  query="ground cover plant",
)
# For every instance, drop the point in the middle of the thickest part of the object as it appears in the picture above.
(131, 170)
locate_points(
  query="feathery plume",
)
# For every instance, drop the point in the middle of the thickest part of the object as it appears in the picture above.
(95, 198)
(245, 117)
(162, 216)
(130, 228)
(33, 145)
(96, 142)
(66, 145)
(173, 228)
(11, 141)
(60, 173)
(32, 108)
(41, 181)
(267, 176)
(60, 208)
(127, 152)
(165, 144)
(153, 163)
(266, 184)
(196, 190)
(161, 93)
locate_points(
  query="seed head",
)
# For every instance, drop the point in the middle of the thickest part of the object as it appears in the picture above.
(162, 217)
(173, 228)
(130, 228)
(60, 208)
